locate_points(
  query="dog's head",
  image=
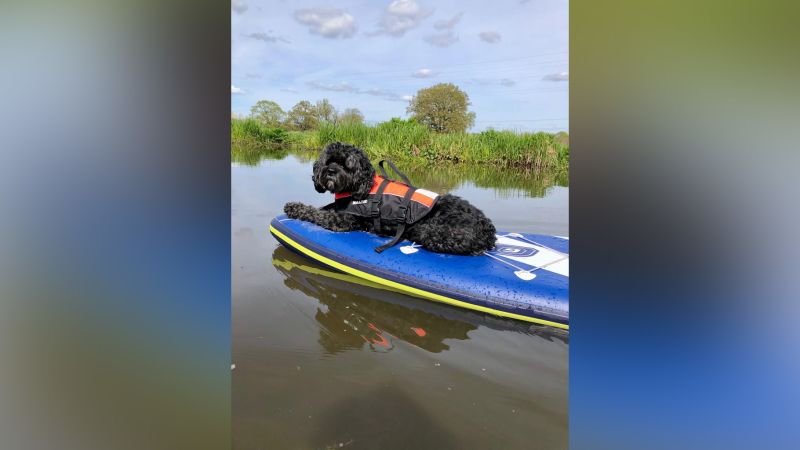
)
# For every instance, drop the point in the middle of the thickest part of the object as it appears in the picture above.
(343, 168)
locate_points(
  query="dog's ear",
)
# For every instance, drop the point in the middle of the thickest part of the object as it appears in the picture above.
(316, 176)
(354, 160)
(363, 173)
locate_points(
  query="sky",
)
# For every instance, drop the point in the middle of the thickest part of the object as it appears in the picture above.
(510, 56)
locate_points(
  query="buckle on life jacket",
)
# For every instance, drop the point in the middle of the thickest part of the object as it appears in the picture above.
(374, 207)
(402, 211)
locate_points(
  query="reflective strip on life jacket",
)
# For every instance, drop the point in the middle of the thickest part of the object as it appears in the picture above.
(422, 196)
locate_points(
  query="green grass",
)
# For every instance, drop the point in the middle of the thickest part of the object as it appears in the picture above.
(410, 142)
(252, 133)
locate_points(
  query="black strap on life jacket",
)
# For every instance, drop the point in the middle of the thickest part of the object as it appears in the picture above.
(402, 218)
(375, 206)
(402, 213)
(396, 170)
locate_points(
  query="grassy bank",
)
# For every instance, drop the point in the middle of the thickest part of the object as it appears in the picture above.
(407, 141)
(249, 132)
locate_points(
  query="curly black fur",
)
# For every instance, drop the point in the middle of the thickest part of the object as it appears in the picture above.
(453, 226)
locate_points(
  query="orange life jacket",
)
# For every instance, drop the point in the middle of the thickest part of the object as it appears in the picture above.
(388, 202)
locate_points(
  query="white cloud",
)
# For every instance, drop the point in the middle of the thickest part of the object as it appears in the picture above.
(346, 87)
(491, 37)
(448, 24)
(327, 22)
(238, 6)
(442, 40)
(423, 73)
(408, 98)
(388, 95)
(236, 91)
(268, 37)
(507, 82)
(560, 76)
(341, 87)
(293, 91)
(401, 16)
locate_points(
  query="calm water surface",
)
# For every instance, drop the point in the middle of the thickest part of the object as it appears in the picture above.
(324, 360)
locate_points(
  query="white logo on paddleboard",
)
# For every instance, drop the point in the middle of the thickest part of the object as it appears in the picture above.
(529, 256)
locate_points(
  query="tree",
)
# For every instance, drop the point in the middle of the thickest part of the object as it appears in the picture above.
(442, 108)
(351, 115)
(303, 116)
(325, 111)
(268, 113)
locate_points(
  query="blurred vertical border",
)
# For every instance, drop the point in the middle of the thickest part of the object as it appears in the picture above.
(684, 218)
(115, 230)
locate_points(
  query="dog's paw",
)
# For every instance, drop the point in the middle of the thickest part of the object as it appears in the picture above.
(295, 210)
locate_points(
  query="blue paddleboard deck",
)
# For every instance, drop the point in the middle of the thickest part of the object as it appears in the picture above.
(526, 277)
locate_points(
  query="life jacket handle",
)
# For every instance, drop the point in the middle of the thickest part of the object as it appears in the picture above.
(396, 170)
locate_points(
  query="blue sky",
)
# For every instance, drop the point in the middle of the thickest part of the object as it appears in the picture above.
(510, 56)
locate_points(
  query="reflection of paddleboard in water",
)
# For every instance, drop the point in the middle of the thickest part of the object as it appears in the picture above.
(354, 311)
(526, 277)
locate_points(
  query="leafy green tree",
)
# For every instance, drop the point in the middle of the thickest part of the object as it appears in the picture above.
(443, 108)
(303, 116)
(325, 111)
(351, 115)
(268, 113)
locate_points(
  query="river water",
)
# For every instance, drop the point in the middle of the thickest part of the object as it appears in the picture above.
(324, 360)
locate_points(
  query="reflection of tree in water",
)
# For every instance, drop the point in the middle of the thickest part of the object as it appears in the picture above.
(509, 182)
(358, 312)
(252, 156)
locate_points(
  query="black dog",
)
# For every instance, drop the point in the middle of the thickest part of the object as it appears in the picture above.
(452, 225)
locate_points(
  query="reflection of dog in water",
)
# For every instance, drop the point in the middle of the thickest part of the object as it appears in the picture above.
(353, 313)
(453, 225)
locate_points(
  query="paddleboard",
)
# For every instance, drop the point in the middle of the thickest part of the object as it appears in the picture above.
(525, 277)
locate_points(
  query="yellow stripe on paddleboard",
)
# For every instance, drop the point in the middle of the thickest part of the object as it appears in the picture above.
(408, 289)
